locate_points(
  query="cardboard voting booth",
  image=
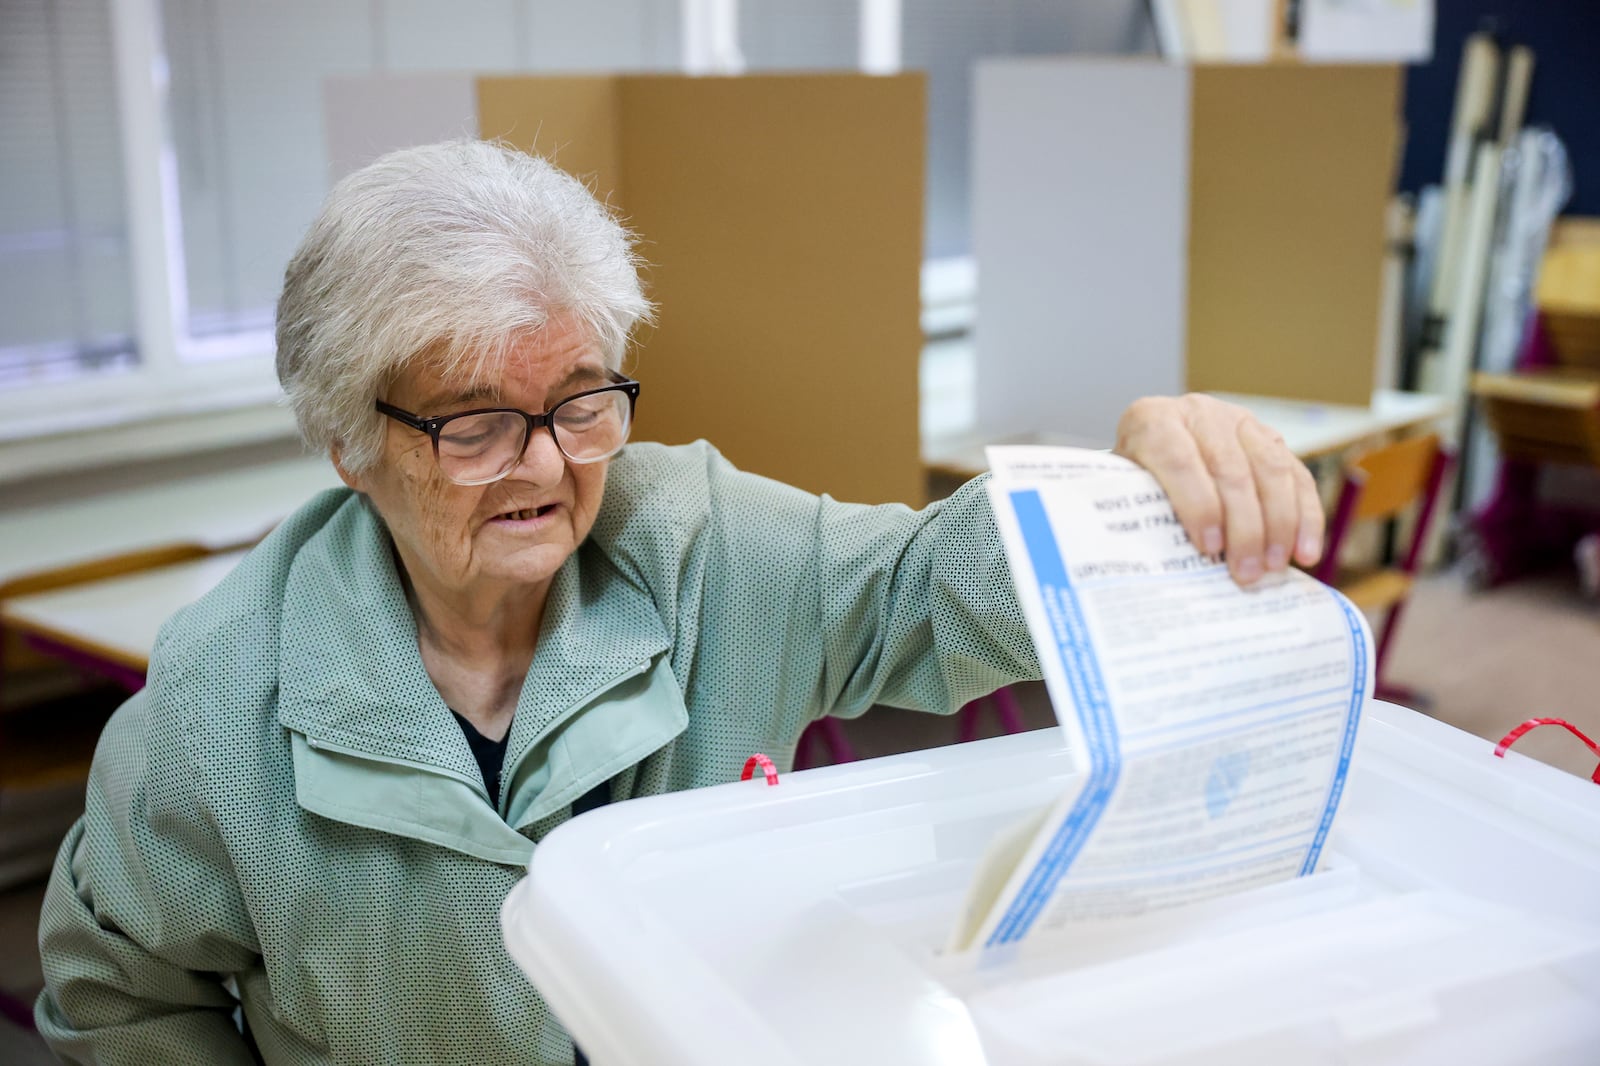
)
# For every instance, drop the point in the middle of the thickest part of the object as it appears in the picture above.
(781, 217)
(1455, 918)
(1147, 228)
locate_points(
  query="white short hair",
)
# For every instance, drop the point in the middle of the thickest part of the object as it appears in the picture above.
(452, 250)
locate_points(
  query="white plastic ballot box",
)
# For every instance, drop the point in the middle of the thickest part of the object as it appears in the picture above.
(1455, 919)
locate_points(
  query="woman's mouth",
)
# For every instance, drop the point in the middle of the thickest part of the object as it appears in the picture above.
(525, 516)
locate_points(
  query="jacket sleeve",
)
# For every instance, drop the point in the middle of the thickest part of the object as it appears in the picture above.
(864, 604)
(141, 921)
(917, 608)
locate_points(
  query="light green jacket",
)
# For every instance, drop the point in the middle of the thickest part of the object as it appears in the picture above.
(289, 803)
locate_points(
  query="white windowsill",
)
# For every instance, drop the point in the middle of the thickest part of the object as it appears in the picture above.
(130, 419)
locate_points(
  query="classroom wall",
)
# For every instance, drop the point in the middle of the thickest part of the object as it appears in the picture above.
(1565, 34)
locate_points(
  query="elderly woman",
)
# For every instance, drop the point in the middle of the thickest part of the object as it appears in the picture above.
(348, 751)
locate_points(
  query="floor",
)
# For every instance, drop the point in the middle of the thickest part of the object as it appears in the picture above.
(1485, 660)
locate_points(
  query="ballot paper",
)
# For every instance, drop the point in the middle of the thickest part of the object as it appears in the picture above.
(1212, 726)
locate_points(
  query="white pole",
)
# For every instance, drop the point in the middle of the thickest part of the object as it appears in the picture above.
(1454, 365)
(155, 241)
(1480, 58)
(880, 36)
(711, 37)
(725, 51)
(696, 45)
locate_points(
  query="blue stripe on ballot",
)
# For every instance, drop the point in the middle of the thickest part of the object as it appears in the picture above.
(1358, 650)
(1087, 683)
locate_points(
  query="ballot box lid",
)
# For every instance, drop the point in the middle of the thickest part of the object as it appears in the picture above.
(1455, 918)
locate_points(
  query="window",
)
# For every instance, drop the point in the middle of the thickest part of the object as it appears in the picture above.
(163, 157)
(246, 109)
(66, 305)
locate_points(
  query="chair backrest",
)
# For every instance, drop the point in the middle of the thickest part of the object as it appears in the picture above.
(1380, 484)
(1393, 477)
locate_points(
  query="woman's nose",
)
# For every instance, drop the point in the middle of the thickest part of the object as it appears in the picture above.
(541, 461)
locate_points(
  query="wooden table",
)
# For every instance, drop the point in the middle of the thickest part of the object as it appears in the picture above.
(209, 512)
(1313, 430)
(110, 625)
(71, 559)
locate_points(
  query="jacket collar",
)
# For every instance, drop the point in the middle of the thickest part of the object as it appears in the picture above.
(599, 696)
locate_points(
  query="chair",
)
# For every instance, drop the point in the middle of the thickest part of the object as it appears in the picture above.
(1379, 485)
(1004, 702)
(1546, 412)
(828, 734)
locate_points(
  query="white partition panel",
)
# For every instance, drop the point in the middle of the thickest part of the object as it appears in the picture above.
(1081, 251)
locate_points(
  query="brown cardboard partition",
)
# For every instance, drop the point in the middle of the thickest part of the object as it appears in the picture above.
(1291, 169)
(781, 216)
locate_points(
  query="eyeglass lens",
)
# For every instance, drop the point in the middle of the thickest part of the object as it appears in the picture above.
(475, 449)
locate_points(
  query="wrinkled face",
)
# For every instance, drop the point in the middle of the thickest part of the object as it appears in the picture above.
(463, 539)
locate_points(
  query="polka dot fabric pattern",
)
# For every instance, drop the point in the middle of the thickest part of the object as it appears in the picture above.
(290, 805)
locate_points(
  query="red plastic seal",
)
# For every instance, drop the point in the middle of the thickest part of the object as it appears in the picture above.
(1534, 723)
(767, 768)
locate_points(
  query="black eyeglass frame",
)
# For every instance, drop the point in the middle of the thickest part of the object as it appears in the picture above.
(435, 425)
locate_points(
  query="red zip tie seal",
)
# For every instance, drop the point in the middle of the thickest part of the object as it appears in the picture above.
(1534, 723)
(767, 768)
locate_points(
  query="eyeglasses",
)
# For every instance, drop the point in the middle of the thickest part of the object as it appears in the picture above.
(477, 447)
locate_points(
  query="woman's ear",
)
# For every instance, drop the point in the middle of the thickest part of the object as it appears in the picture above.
(337, 455)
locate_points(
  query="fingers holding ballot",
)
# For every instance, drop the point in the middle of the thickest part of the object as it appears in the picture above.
(1233, 483)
